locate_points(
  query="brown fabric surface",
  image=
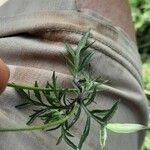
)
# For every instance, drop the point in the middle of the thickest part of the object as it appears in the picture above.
(32, 33)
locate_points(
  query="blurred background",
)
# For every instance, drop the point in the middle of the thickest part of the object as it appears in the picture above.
(141, 17)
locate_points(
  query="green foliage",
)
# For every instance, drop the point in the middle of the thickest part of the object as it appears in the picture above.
(146, 74)
(141, 17)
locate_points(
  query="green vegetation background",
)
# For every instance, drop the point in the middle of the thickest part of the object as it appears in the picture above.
(141, 17)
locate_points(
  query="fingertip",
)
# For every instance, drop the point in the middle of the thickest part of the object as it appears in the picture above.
(4, 75)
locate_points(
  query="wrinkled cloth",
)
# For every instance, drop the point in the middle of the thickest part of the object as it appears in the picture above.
(32, 36)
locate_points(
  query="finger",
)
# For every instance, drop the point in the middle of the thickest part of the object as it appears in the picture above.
(4, 75)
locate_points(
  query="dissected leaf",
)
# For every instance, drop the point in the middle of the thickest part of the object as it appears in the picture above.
(54, 106)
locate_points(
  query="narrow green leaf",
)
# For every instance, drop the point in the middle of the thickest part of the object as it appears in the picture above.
(35, 115)
(59, 139)
(87, 46)
(103, 136)
(36, 103)
(70, 64)
(81, 45)
(85, 133)
(55, 86)
(54, 78)
(26, 97)
(50, 99)
(69, 142)
(70, 50)
(126, 128)
(111, 112)
(72, 70)
(47, 114)
(22, 105)
(76, 117)
(51, 116)
(83, 42)
(69, 61)
(85, 62)
(37, 93)
(68, 133)
(60, 94)
(50, 119)
(22, 94)
(64, 99)
(92, 97)
(47, 86)
(97, 119)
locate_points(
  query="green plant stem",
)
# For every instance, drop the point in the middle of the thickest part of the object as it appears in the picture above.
(28, 87)
(44, 126)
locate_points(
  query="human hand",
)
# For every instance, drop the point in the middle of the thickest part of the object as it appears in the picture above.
(4, 75)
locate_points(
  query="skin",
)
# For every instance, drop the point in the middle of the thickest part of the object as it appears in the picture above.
(117, 11)
(4, 75)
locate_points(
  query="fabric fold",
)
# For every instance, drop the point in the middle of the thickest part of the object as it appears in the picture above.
(32, 36)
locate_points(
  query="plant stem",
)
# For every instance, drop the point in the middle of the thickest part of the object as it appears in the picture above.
(44, 126)
(28, 87)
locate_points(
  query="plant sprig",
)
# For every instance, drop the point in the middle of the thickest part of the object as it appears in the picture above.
(55, 109)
